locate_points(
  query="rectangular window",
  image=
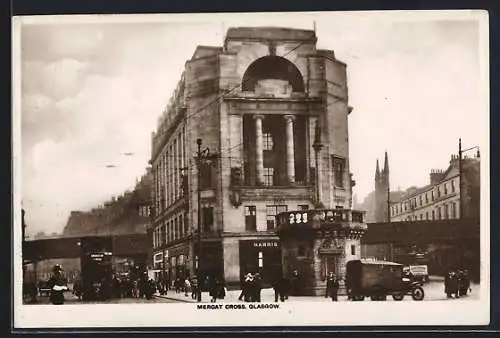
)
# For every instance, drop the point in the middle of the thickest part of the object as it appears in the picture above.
(271, 212)
(250, 218)
(432, 195)
(445, 188)
(439, 213)
(438, 192)
(421, 216)
(452, 185)
(268, 176)
(353, 250)
(453, 210)
(433, 215)
(426, 215)
(426, 198)
(445, 211)
(267, 139)
(208, 219)
(420, 200)
(338, 170)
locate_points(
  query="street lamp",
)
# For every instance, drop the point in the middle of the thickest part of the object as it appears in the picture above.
(460, 172)
(201, 155)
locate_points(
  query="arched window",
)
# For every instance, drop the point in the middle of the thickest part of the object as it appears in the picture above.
(272, 67)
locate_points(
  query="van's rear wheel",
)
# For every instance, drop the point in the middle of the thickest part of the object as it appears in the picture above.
(378, 294)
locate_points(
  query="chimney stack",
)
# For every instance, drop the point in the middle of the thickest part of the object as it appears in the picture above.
(435, 176)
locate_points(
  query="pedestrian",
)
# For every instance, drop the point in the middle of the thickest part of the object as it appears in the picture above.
(77, 288)
(245, 287)
(451, 284)
(217, 290)
(332, 287)
(257, 287)
(279, 286)
(295, 283)
(463, 283)
(194, 287)
(187, 286)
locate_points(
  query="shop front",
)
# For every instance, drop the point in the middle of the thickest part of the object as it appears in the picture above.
(212, 261)
(262, 256)
(177, 259)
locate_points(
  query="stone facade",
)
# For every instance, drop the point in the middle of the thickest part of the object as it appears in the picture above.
(440, 199)
(256, 102)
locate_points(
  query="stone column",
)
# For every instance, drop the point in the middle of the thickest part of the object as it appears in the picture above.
(290, 156)
(259, 151)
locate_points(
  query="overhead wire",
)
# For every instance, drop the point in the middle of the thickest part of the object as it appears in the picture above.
(224, 94)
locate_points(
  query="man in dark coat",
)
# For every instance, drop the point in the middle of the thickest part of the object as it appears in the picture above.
(332, 286)
(257, 287)
(451, 284)
(463, 283)
(279, 286)
(295, 283)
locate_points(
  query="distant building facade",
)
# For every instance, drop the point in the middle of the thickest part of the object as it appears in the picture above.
(258, 102)
(440, 199)
(125, 214)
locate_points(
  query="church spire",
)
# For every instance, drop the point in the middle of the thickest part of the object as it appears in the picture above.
(386, 164)
(377, 170)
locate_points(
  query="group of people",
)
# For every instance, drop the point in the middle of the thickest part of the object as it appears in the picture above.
(457, 283)
(195, 286)
(251, 287)
(121, 287)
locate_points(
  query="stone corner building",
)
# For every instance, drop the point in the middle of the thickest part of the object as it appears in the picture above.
(260, 102)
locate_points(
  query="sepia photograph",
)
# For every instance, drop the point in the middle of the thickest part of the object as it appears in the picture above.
(251, 169)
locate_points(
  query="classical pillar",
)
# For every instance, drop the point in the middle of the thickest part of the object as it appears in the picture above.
(290, 156)
(259, 149)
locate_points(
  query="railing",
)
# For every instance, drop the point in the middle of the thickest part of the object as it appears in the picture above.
(312, 218)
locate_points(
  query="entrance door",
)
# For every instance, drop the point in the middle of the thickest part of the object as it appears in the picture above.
(331, 264)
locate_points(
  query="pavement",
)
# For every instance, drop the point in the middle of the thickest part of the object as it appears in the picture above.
(434, 290)
(69, 298)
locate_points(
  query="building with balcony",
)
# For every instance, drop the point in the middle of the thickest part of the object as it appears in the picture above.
(274, 110)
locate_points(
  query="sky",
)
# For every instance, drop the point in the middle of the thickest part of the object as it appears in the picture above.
(92, 91)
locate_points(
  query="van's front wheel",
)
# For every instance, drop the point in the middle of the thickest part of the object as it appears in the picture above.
(417, 293)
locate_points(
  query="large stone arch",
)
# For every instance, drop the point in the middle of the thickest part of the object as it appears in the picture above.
(272, 67)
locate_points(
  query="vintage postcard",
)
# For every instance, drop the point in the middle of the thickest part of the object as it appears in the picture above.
(264, 169)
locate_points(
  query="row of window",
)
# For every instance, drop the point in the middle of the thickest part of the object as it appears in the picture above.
(168, 175)
(446, 211)
(172, 229)
(250, 212)
(424, 199)
(338, 167)
(176, 228)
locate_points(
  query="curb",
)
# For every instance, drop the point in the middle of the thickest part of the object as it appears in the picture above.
(175, 299)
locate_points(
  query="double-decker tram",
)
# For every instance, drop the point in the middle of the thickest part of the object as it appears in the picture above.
(96, 268)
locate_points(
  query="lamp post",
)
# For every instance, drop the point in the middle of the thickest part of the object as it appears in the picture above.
(460, 173)
(198, 164)
(201, 155)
